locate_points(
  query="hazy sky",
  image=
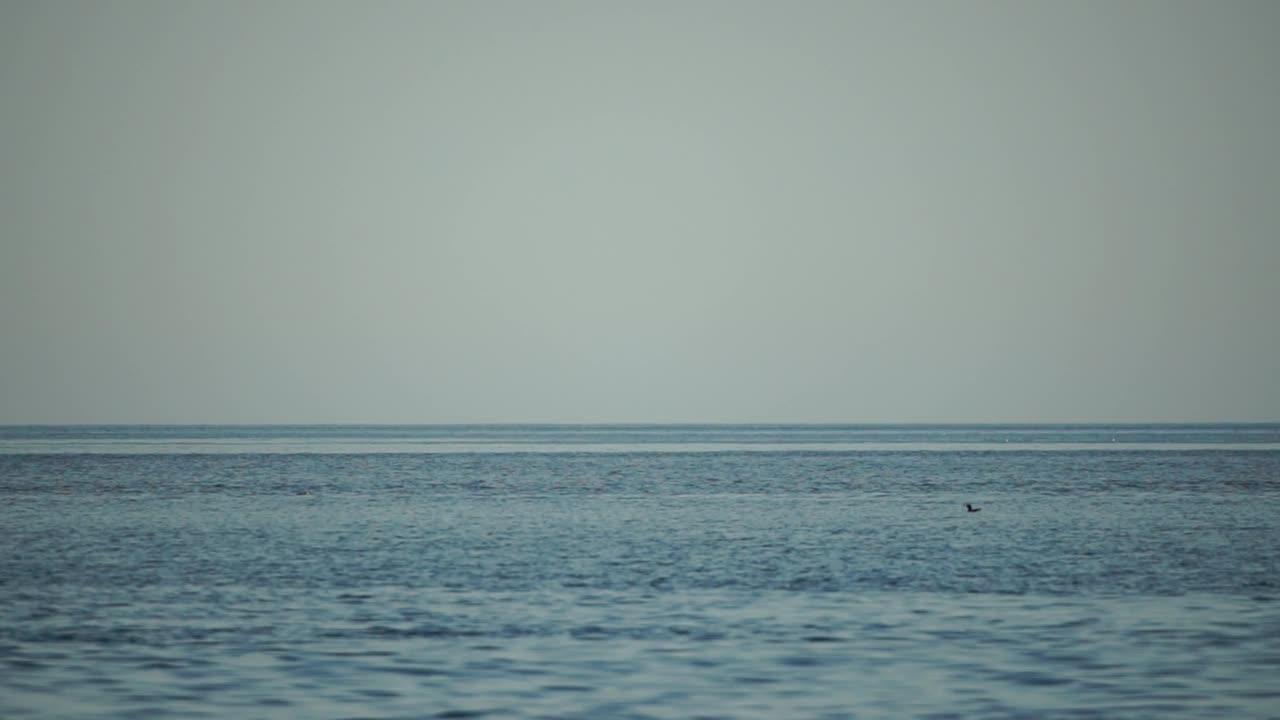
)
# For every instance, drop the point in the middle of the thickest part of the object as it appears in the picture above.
(645, 211)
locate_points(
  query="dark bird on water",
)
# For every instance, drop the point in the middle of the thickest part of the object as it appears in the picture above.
(971, 508)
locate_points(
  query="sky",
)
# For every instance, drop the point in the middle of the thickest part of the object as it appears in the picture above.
(659, 211)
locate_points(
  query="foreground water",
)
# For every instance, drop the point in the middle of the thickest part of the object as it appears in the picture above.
(644, 572)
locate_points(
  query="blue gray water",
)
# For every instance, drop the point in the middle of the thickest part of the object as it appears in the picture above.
(640, 572)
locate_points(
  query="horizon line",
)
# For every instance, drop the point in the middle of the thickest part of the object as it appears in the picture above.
(738, 423)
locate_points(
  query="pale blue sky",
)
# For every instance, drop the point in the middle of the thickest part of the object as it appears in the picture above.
(646, 211)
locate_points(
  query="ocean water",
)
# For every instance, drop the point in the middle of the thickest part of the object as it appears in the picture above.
(640, 572)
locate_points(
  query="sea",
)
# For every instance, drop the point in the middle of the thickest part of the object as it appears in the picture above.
(642, 571)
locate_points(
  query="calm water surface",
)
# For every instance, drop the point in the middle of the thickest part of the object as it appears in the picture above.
(640, 572)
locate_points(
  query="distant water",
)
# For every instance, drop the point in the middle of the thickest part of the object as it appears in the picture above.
(640, 572)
